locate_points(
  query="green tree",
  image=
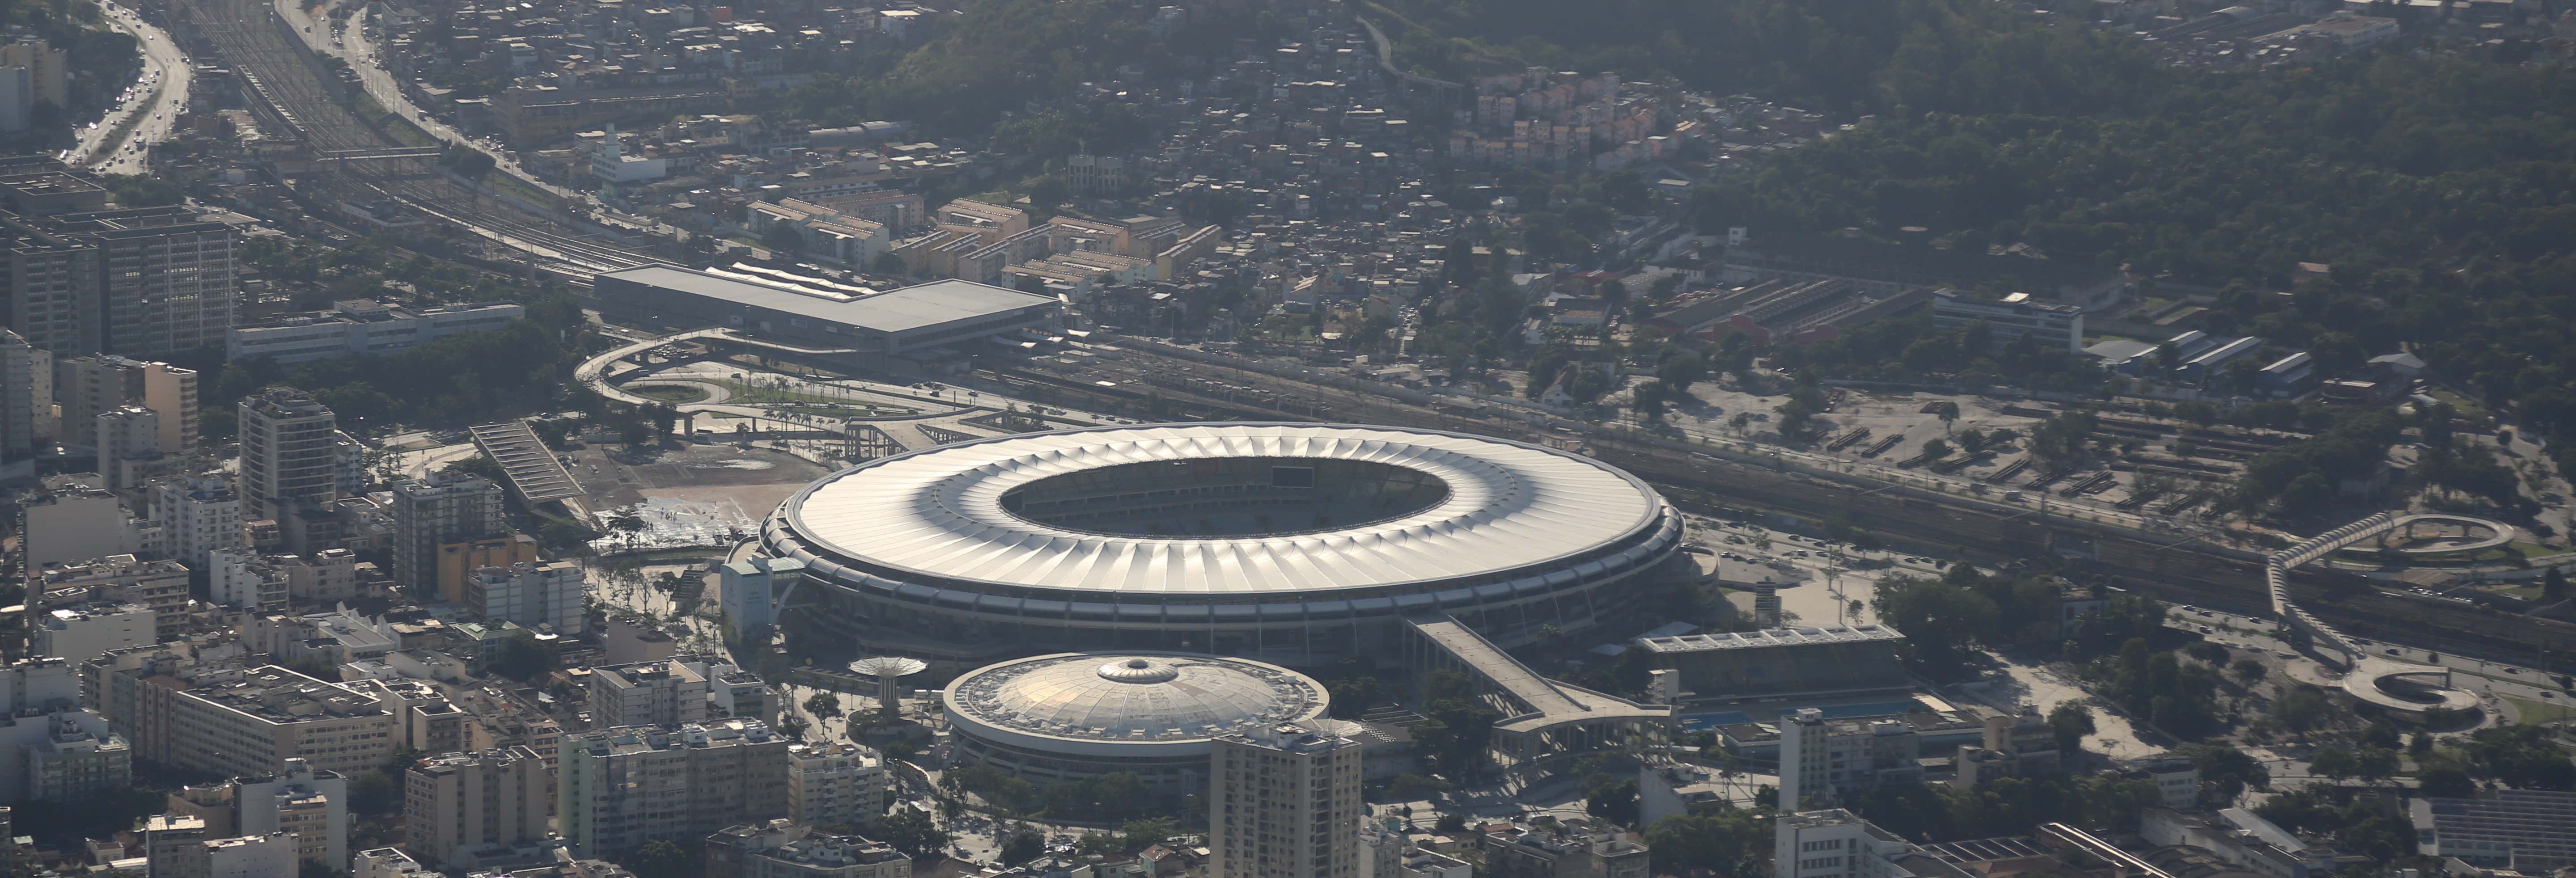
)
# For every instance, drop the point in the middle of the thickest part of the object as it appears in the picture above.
(1730, 842)
(823, 705)
(2304, 709)
(659, 858)
(1023, 845)
(911, 831)
(2072, 721)
(1615, 801)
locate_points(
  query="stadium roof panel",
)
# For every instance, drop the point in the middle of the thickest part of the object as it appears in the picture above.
(897, 310)
(940, 513)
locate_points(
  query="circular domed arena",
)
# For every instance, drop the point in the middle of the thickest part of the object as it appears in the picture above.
(1065, 717)
(1296, 543)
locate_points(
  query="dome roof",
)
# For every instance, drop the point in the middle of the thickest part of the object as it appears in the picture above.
(1139, 698)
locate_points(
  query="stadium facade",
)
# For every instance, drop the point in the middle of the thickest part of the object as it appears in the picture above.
(1296, 543)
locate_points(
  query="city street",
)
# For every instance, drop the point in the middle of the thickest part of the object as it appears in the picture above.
(158, 98)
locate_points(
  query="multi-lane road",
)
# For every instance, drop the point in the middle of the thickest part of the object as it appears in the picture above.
(155, 101)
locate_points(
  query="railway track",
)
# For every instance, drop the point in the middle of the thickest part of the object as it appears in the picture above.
(290, 97)
(2174, 567)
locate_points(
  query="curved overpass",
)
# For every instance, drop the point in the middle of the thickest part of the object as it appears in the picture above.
(593, 372)
(2407, 688)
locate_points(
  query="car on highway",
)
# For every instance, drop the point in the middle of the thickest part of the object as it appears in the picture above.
(2391, 651)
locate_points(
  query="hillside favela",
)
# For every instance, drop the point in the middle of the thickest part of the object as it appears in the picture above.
(1287, 438)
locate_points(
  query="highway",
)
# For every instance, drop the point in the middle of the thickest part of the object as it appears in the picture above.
(158, 97)
(293, 103)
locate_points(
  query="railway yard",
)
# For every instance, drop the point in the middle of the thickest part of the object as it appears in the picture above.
(2170, 557)
(286, 87)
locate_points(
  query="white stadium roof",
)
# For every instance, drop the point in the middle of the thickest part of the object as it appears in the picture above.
(939, 512)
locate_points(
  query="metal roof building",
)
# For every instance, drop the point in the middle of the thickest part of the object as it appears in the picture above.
(895, 322)
(1067, 716)
(1289, 541)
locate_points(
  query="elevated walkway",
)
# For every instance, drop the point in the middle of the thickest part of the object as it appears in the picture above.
(1544, 722)
(2407, 688)
(525, 460)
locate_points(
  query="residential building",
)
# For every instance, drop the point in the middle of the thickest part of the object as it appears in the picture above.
(457, 559)
(73, 520)
(748, 590)
(66, 752)
(791, 849)
(95, 385)
(73, 758)
(2017, 745)
(324, 576)
(1284, 802)
(1822, 760)
(120, 579)
(311, 807)
(290, 464)
(828, 235)
(434, 512)
(458, 803)
(1835, 844)
(388, 863)
(249, 723)
(80, 632)
(2176, 780)
(48, 80)
(544, 596)
(677, 691)
(242, 577)
(619, 787)
(364, 328)
(199, 514)
(836, 784)
(19, 405)
(250, 856)
(168, 278)
(128, 441)
(174, 844)
(51, 287)
(1563, 851)
(2010, 319)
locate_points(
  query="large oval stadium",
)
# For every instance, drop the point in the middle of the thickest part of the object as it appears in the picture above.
(1293, 542)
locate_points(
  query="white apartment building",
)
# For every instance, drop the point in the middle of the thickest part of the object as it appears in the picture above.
(458, 803)
(364, 328)
(311, 807)
(532, 595)
(1284, 802)
(199, 514)
(86, 631)
(241, 577)
(1834, 844)
(2010, 318)
(677, 691)
(250, 856)
(835, 784)
(1822, 759)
